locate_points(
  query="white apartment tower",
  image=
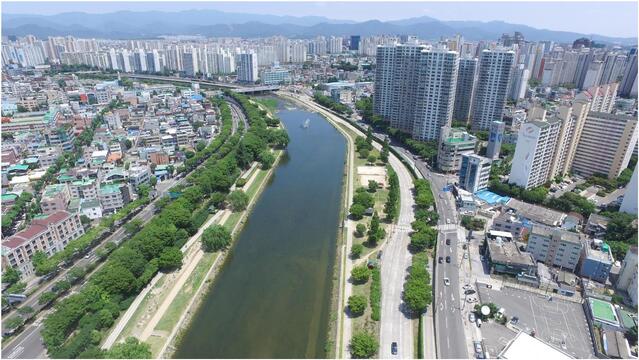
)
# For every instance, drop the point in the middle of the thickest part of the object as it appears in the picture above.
(247, 68)
(495, 72)
(466, 80)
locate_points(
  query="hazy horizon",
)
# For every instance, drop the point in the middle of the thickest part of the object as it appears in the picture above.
(616, 19)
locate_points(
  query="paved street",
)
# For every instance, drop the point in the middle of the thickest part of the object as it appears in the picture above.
(449, 329)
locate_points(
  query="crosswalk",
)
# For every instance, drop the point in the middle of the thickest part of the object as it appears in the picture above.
(443, 227)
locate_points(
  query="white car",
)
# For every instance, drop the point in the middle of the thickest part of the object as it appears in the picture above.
(446, 281)
(447, 221)
(471, 317)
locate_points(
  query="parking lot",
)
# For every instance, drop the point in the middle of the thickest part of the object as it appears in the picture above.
(496, 337)
(562, 324)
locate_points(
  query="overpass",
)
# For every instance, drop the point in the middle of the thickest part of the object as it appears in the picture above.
(206, 83)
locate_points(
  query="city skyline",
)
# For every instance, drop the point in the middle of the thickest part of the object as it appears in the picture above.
(550, 16)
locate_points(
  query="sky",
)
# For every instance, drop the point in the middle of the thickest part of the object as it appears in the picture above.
(605, 18)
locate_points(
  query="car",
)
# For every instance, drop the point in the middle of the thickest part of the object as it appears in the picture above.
(447, 241)
(87, 256)
(514, 320)
(441, 196)
(471, 317)
(447, 221)
(478, 348)
(481, 258)
(440, 260)
(465, 255)
(446, 281)
(478, 322)
(448, 259)
(466, 287)
(469, 292)
(379, 254)
(464, 246)
(394, 348)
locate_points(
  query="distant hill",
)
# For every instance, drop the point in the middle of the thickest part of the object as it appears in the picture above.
(150, 24)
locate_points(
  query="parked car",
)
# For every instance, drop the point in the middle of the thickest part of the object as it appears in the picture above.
(440, 260)
(448, 259)
(478, 322)
(446, 281)
(478, 348)
(514, 320)
(465, 255)
(447, 241)
(469, 292)
(394, 348)
(471, 317)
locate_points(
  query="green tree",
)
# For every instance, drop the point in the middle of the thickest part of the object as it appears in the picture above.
(14, 322)
(170, 258)
(372, 159)
(25, 310)
(357, 250)
(17, 288)
(84, 220)
(360, 274)
(153, 181)
(62, 286)
(357, 304)
(267, 159)
(363, 345)
(360, 230)
(10, 276)
(131, 348)
(238, 200)
(375, 232)
(133, 226)
(372, 186)
(216, 238)
(357, 211)
(383, 156)
(47, 297)
(363, 153)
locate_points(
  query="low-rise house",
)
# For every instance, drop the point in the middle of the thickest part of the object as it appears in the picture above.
(555, 247)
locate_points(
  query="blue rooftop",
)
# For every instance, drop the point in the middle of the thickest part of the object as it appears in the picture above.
(491, 198)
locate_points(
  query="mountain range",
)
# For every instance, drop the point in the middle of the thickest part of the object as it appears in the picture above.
(213, 23)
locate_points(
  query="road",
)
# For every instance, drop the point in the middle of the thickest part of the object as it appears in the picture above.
(28, 344)
(397, 321)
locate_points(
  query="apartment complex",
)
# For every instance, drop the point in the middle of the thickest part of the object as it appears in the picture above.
(415, 88)
(627, 280)
(629, 203)
(605, 145)
(495, 72)
(555, 247)
(601, 98)
(495, 138)
(466, 80)
(453, 143)
(49, 235)
(474, 172)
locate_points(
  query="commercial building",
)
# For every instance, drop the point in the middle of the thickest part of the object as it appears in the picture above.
(49, 234)
(474, 172)
(627, 279)
(453, 143)
(247, 68)
(275, 76)
(605, 145)
(535, 213)
(495, 72)
(495, 138)
(509, 222)
(114, 197)
(596, 262)
(597, 226)
(354, 44)
(629, 203)
(506, 258)
(466, 80)
(523, 345)
(55, 197)
(555, 247)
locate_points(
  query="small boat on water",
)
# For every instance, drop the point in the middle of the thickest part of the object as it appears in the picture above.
(307, 123)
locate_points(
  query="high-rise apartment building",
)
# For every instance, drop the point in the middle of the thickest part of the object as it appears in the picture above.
(247, 68)
(474, 172)
(627, 280)
(519, 83)
(601, 98)
(629, 203)
(466, 80)
(534, 153)
(495, 71)
(628, 87)
(613, 68)
(335, 45)
(415, 88)
(605, 145)
(354, 45)
(495, 138)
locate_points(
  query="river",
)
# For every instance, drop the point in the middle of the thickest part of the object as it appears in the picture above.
(271, 299)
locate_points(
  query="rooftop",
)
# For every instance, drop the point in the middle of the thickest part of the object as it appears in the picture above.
(537, 213)
(53, 190)
(506, 252)
(37, 226)
(524, 345)
(603, 311)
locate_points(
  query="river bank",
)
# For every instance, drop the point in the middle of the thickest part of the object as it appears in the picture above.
(279, 274)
